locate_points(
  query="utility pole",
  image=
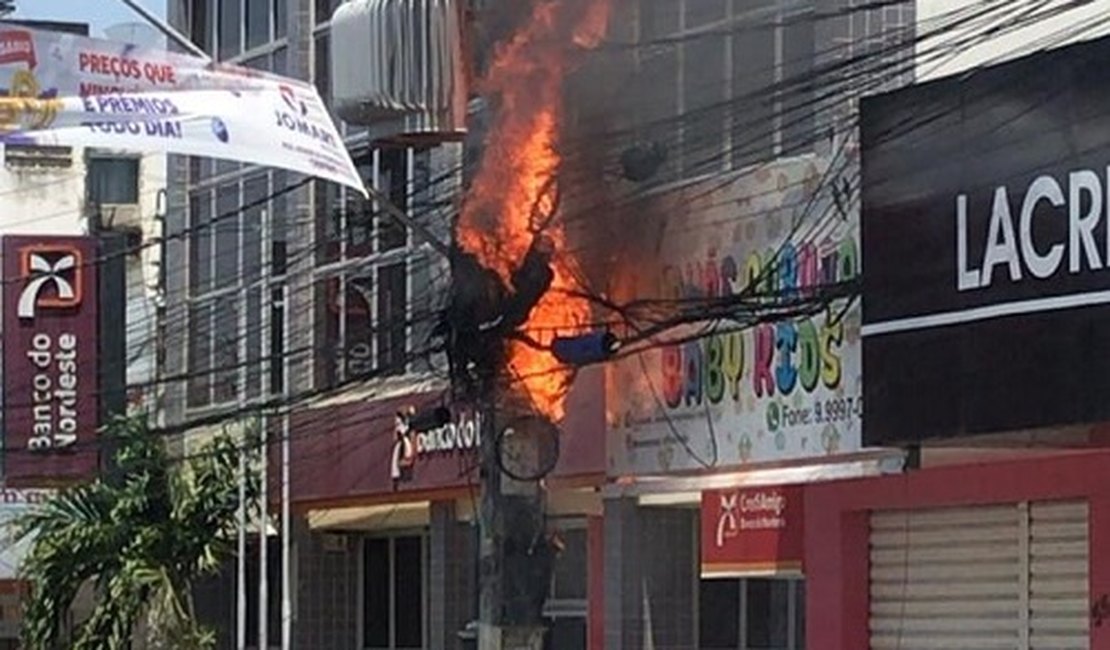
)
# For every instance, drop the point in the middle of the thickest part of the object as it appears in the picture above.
(514, 562)
(514, 551)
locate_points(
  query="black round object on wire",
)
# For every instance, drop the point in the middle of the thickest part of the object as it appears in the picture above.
(528, 448)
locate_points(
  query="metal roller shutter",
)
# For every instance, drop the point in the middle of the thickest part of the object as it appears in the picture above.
(1011, 576)
(1058, 570)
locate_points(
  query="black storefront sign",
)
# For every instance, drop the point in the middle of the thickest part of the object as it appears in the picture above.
(986, 249)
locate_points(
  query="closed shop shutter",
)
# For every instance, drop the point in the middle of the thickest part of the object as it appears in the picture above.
(1010, 576)
(1058, 576)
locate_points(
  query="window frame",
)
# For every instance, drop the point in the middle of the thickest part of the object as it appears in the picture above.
(94, 157)
(795, 612)
(210, 42)
(734, 13)
(556, 607)
(331, 362)
(270, 289)
(425, 562)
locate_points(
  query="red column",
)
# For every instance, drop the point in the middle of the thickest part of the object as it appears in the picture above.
(836, 573)
(595, 574)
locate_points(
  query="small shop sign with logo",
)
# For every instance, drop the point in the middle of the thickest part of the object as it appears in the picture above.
(462, 435)
(752, 532)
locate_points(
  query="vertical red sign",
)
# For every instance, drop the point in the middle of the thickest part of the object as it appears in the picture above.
(50, 327)
(752, 531)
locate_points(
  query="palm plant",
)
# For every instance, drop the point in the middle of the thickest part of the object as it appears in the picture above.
(141, 539)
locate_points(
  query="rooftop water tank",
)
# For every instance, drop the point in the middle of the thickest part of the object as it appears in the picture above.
(398, 65)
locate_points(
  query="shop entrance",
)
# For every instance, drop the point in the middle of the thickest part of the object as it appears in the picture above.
(751, 614)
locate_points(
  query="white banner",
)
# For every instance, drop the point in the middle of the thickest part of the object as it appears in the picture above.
(63, 89)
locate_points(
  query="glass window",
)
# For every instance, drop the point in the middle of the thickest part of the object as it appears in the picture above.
(658, 76)
(329, 309)
(719, 614)
(281, 19)
(225, 352)
(359, 331)
(324, 9)
(254, 218)
(322, 70)
(375, 593)
(227, 235)
(226, 167)
(281, 61)
(277, 340)
(393, 593)
(329, 221)
(767, 614)
(259, 14)
(797, 68)
(279, 206)
(751, 614)
(392, 318)
(753, 75)
(113, 180)
(231, 39)
(408, 592)
(200, 242)
(571, 567)
(200, 168)
(703, 86)
(393, 183)
(202, 24)
(200, 354)
(273, 591)
(360, 220)
(261, 63)
(253, 337)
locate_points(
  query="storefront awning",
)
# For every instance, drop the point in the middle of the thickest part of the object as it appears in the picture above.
(687, 489)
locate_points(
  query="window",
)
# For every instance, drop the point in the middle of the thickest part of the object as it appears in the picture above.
(566, 607)
(202, 24)
(259, 15)
(113, 180)
(750, 84)
(236, 315)
(273, 591)
(281, 19)
(752, 614)
(231, 29)
(367, 264)
(394, 584)
(324, 10)
(322, 71)
(228, 28)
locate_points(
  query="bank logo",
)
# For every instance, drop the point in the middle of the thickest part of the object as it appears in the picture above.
(52, 279)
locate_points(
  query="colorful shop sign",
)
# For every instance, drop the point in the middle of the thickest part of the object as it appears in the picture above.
(728, 396)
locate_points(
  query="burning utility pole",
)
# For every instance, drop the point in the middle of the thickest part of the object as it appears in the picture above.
(513, 282)
(515, 554)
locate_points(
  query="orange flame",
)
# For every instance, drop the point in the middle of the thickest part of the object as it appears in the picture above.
(520, 165)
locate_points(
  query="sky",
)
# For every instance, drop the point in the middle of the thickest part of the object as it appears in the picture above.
(98, 13)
